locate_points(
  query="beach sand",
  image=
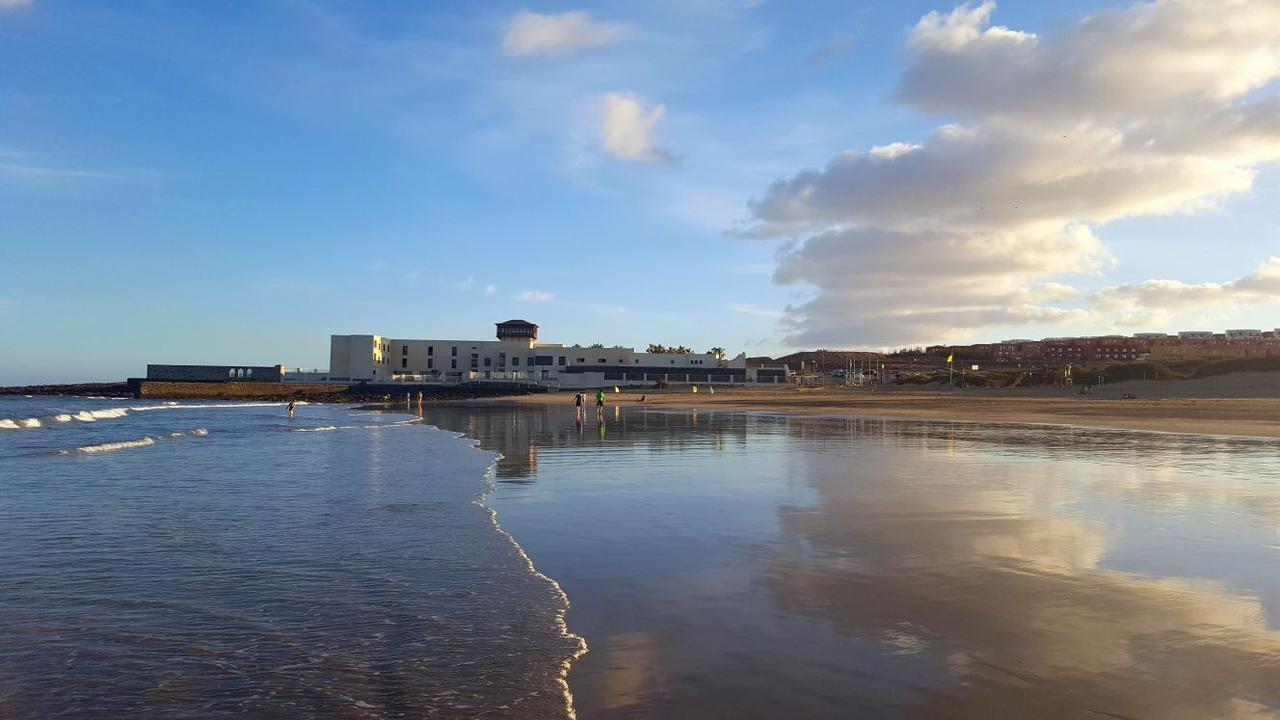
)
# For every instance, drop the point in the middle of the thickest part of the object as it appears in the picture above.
(1236, 416)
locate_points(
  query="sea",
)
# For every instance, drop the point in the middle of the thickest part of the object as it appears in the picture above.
(203, 560)
(511, 560)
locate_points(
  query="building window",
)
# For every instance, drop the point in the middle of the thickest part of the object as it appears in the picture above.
(453, 364)
(404, 362)
(231, 373)
(455, 352)
(404, 349)
(249, 373)
(602, 360)
(515, 361)
(431, 364)
(561, 359)
(581, 360)
(488, 362)
(431, 350)
(530, 363)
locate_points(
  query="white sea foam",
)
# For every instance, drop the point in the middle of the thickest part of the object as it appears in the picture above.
(113, 413)
(113, 446)
(199, 432)
(96, 415)
(326, 428)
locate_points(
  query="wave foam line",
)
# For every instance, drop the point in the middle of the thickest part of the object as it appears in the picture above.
(127, 444)
(562, 678)
(113, 413)
(112, 446)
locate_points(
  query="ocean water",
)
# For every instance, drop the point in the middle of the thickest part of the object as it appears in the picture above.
(221, 560)
(731, 565)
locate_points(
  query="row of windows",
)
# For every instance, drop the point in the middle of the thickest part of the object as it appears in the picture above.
(239, 373)
(431, 350)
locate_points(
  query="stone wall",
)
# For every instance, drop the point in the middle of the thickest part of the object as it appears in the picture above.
(216, 373)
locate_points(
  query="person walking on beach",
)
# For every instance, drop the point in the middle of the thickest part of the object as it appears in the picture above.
(600, 405)
(292, 408)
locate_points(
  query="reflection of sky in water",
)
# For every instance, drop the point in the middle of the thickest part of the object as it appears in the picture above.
(754, 565)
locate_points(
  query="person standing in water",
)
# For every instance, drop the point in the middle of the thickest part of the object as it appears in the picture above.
(577, 401)
(600, 404)
(292, 408)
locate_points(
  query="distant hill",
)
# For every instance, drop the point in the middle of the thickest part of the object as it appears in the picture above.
(819, 359)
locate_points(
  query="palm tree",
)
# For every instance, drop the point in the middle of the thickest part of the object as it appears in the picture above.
(656, 348)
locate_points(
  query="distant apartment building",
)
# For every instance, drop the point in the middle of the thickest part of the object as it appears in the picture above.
(1185, 345)
(516, 355)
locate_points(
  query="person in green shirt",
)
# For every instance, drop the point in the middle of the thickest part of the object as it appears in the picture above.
(599, 404)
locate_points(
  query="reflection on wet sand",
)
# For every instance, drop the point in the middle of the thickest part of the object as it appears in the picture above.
(1011, 604)
(761, 566)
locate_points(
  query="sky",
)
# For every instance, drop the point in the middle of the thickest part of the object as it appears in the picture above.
(233, 182)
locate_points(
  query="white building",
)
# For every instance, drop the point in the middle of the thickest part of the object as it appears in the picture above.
(1244, 334)
(516, 355)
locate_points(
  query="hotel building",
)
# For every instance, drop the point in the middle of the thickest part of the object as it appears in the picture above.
(1157, 347)
(517, 355)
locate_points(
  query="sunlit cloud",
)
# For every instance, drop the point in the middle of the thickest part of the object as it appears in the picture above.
(531, 33)
(1144, 111)
(626, 129)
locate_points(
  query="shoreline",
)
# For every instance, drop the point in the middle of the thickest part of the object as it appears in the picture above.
(1206, 416)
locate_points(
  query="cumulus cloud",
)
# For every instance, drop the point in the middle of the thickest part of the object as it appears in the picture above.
(531, 33)
(1155, 300)
(1143, 111)
(525, 296)
(626, 129)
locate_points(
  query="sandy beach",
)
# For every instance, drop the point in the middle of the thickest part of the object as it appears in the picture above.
(1234, 416)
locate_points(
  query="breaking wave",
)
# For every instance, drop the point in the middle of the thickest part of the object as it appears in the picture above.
(111, 446)
(127, 444)
(113, 413)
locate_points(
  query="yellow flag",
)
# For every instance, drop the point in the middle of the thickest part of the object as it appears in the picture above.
(950, 358)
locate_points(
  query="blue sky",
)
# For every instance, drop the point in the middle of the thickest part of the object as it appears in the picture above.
(232, 182)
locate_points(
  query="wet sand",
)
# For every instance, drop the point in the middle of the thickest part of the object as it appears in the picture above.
(776, 565)
(1233, 416)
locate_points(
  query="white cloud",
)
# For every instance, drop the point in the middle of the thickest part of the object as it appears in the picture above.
(490, 290)
(525, 296)
(531, 33)
(1157, 300)
(626, 129)
(15, 3)
(1143, 111)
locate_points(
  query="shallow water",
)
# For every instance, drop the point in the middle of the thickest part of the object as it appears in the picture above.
(209, 561)
(737, 565)
(240, 564)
